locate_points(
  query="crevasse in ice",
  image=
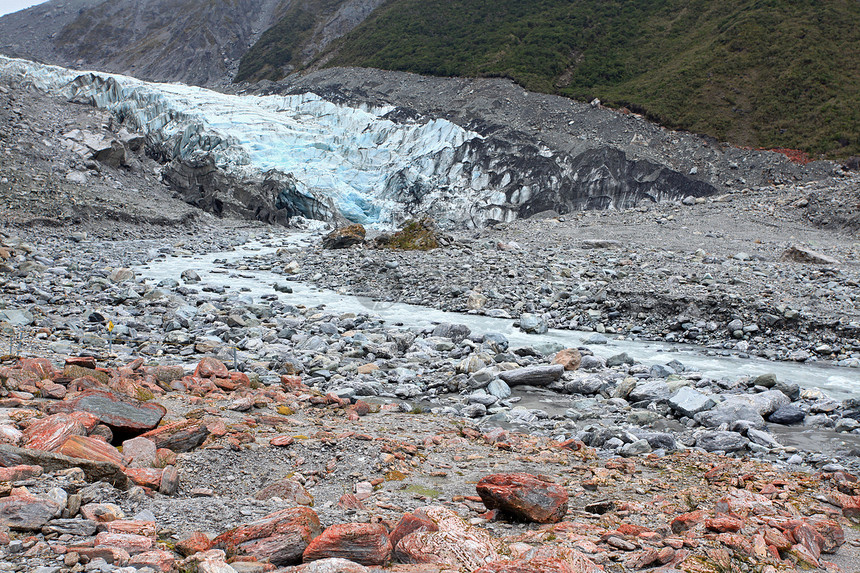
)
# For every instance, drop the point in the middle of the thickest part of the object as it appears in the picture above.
(352, 155)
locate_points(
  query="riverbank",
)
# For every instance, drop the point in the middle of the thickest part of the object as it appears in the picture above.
(712, 273)
(503, 401)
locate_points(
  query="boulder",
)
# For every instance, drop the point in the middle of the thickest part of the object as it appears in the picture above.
(286, 489)
(51, 432)
(524, 496)
(533, 375)
(721, 441)
(118, 412)
(178, 437)
(570, 358)
(281, 537)
(139, 452)
(210, 367)
(51, 462)
(364, 543)
(415, 235)
(344, 237)
(787, 415)
(411, 523)
(729, 413)
(533, 324)
(195, 542)
(689, 401)
(334, 565)
(765, 403)
(87, 448)
(801, 254)
(650, 391)
(456, 332)
(27, 512)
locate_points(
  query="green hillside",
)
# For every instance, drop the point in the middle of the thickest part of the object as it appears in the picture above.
(763, 73)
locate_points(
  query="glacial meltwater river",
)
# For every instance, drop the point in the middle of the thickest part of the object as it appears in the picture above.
(838, 382)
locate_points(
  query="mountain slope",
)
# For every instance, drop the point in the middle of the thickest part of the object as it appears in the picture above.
(196, 42)
(768, 73)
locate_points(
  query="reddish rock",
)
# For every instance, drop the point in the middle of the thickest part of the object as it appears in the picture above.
(101, 512)
(300, 524)
(86, 448)
(180, 436)
(210, 367)
(805, 557)
(561, 559)
(365, 543)
(570, 358)
(524, 496)
(337, 565)
(287, 489)
(146, 477)
(194, 543)
(411, 523)
(17, 473)
(134, 526)
(351, 501)
(157, 559)
(831, 533)
(809, 538)
(51, 462)
(457, 544)
(292, 383)
(48, 389)
(112, 555)
(51, 432)
(169, 481)
(117, 411)
(164, 458)
(688, 521)
(724, 523)
(515, 566)
(103, 433)
(128, 542)
(41, 367)
(139, 452)
(82, 361)
(776, 538)
(282, 441)
(27, 512)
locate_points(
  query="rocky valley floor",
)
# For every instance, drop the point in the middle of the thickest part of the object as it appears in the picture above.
(183, 424)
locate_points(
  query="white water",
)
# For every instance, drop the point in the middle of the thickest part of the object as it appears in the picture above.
(839, 383)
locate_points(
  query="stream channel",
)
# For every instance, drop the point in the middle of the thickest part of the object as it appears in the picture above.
(217, 269)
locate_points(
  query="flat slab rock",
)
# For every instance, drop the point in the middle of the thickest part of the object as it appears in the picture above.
(51, 462)
(533, 375)
(27, 512)
(118, 412)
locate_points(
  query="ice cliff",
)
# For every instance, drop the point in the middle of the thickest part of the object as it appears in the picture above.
(373, 165)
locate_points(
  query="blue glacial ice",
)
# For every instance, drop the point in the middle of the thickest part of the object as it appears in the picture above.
(350, 155)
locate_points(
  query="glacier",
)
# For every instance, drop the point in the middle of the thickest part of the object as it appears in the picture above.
(368, 164)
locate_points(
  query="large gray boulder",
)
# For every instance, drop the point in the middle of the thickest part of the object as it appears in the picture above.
(689, 402)
(721, 442)
(651, 391)
(765, 403)
(729, 413)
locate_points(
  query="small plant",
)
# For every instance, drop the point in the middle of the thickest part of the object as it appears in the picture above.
(143, 395)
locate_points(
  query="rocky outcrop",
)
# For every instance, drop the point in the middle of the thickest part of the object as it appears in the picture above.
(273, 198)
